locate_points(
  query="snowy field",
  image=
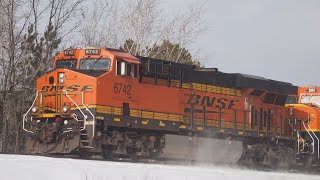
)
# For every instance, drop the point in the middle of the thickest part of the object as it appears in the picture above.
(13, 167)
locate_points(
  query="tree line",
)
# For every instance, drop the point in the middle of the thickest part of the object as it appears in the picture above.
(33, 31)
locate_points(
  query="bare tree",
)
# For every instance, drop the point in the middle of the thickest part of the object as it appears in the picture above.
(31, 33)
(14, 18)
(2, 23)
(143, 22)
(100, 24)
(57, 19)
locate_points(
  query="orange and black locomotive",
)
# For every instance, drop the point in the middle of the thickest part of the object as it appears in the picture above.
(108, 102)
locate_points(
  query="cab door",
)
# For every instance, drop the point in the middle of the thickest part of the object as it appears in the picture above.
(126, 84)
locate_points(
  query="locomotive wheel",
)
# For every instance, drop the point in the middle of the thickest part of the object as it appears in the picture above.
(308, 162)
(156, 153)
(139, 158)
(85, 154)
(140, 153)
(107, 153)
(132, 154)
(287, 159)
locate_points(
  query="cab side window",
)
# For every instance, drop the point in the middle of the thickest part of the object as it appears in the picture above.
(121, 68)
(127, 69)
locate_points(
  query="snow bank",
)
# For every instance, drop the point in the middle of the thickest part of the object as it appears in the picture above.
(14, 167)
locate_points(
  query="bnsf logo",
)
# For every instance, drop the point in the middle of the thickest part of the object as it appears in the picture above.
(212, 101)
(71, 88)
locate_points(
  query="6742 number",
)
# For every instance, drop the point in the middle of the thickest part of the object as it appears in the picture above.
(119, 88)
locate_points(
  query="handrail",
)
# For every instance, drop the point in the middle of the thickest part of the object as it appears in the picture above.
(298, 143)
(299, 137)
(310, 136)
(85, 116)
(317, 140)
(315, 137)
(303, 142)
(93, 118)
(25, 119)
(25, 115)
(291, 125)
(316, 104)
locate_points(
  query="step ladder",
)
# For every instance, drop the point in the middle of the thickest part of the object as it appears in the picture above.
(299, 138)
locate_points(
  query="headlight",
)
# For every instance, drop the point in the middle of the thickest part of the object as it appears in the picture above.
(34, 109)
(65, 122)
(65, 109)
(61, 77)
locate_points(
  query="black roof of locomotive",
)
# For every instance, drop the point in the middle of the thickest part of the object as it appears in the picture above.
(245, 81)
(212, 76)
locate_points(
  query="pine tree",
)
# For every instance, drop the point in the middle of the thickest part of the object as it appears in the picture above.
(166, 51)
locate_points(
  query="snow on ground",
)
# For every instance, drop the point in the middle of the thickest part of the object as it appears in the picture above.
(15, 167)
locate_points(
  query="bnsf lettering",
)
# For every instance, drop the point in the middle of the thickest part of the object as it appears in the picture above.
(71, 88)
(86, 88)
(212, 101)
(45, 88)
(51, 88)
(54, 88)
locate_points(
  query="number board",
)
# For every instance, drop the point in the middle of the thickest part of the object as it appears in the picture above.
(125, 89)
(92, 51)
(312, 90)
(69, 52)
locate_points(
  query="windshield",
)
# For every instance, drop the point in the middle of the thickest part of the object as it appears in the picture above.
(67, 64)
(315, 99)
(95, 64)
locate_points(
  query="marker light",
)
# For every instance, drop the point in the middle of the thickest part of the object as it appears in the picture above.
(65, 109)
(61, 77)
(34, 109)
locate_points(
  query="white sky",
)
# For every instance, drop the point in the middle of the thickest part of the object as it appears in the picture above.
(276, 39)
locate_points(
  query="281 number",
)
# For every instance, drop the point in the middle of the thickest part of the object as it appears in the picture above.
(120, 88)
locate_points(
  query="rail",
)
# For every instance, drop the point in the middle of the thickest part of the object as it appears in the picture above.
(25, 116)
(299, 138)
(25, 119)
(314, 135)
(303, 143)
(195, 86)
(317, 140)
(309, 135)
(292, 127)
(232, 122)
(84, 116)
(93, 117)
